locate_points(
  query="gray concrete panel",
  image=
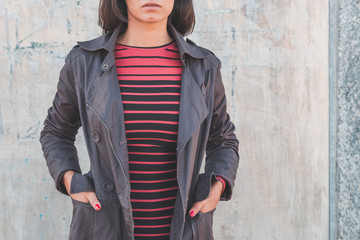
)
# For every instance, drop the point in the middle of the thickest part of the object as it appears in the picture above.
(348, 120)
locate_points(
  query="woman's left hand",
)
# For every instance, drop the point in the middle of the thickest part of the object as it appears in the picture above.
(210, 202)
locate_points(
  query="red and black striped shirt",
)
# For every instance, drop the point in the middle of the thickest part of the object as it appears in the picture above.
(150, 82)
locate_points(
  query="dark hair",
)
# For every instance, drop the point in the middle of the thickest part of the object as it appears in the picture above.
(113, 13)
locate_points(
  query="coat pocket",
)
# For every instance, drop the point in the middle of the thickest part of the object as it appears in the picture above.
(202, 224)
(87, 223)
(82, 222)
(109, 222)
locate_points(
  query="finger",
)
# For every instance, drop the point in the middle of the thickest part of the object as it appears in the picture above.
(94, 201)
(196, 208)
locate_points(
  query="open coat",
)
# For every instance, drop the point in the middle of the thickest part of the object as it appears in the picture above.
(88, 95)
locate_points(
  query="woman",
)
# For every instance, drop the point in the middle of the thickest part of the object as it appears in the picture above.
(150, 105)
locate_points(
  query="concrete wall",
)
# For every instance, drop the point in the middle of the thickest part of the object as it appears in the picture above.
(346, 124)
(275, 71)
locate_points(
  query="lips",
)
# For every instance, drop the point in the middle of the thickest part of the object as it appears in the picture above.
(151, 5)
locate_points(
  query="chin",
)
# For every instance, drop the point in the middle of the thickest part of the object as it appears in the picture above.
(152, 19)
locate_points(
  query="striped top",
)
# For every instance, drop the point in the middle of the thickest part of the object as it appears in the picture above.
(150, 81)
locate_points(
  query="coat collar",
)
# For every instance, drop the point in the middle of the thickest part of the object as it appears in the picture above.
(107, 41)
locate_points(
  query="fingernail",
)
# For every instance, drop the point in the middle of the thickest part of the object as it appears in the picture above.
(191, 213)
(97, 207)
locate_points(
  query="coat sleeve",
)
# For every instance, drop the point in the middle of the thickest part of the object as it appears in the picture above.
(58, 135)
(222, 157)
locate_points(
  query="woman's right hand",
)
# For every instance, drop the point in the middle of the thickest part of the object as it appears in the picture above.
(85, 197)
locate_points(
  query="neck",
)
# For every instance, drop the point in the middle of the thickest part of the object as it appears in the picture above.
(145, 35)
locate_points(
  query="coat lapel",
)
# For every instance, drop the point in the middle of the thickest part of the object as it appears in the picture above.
(192, 109)
(107, 103)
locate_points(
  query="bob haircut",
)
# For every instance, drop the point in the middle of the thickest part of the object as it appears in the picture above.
(114, 12)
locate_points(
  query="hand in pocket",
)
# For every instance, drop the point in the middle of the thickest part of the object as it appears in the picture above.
(210, 202)
(84, 197)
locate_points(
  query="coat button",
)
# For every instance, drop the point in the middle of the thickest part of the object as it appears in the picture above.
(122, 142)
(203, 89)
(108, 187)
(95, 136)
(105, 67)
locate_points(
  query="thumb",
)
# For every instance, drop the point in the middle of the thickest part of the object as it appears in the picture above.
(94, 201)
(196, 208)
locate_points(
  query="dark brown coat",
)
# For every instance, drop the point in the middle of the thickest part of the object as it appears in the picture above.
(88, 95)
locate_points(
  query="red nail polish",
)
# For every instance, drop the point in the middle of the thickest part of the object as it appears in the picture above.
(97, 207)
(191, 213)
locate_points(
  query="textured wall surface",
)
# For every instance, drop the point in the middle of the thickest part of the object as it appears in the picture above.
(275, 71)
(348, 101)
